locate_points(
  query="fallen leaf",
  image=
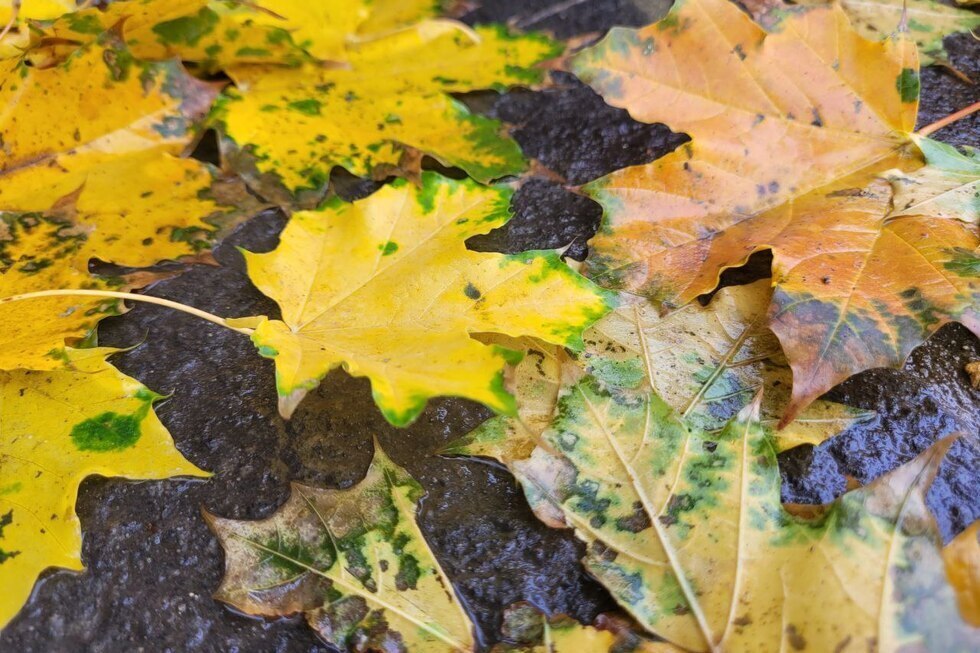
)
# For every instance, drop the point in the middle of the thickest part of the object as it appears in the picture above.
(59, 428)
(534, 382)
(927, 21)
(526, 630)
(708, 362)
(948, 187)
(878, 284)
(353, 562)
(284, 130)
(211, 33)
(962, 558)
(687, 532)
(89, 169)
(34, 9)
(772, 167)
(386, 287)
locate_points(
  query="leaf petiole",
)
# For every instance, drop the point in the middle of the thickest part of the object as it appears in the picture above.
(948, 120)
(190, 310)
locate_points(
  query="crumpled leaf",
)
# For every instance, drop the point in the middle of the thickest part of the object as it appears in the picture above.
(927, 21)
(708, 362)
(687, 532)
(285, 130)
(534, 382)
(772, 167)
(386, 287)
(60, 427)
(962, 558)
(526, 630)
(89, 168)
(353, 561)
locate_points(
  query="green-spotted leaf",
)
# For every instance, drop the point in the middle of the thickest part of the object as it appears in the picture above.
(353, 561)
(687, 532)
(708, 362)
(285, 130)
(386, 287)
(59, 427)
(926, 21)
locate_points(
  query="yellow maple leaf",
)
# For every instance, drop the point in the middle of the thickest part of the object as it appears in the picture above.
(687, 531)
(285, 129)
(791, 131)
(60, 427)
(89, 168)
(386, 287)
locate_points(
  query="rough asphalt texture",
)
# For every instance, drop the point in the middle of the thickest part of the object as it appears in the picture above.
(153, 564)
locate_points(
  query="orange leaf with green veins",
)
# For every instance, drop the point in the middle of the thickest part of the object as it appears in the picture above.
(386, 287)
(526, 630)
(962, 558)
(687, 532)
(84, 178)
(285, 130)
(353, 562)
(60, 427)
(758, 140)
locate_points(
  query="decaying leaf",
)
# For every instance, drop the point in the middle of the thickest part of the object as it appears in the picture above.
(534, 382)
(526, 630)
(687, 532)
(58, 428)
(89, 168)
(962, 557)
(285, 129)
(708, 362)
(353, 561)
(774, 166)
(927, 21)
(386, 287)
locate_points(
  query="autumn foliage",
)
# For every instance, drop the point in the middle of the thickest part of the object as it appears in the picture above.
(643, 420)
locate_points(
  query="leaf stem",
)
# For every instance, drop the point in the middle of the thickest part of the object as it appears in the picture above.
(190, 310)
(948, 120)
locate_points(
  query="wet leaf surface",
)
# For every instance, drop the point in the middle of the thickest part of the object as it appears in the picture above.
(151, 558)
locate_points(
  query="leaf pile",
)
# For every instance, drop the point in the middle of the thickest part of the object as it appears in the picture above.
(803, 174)
(646, 422)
